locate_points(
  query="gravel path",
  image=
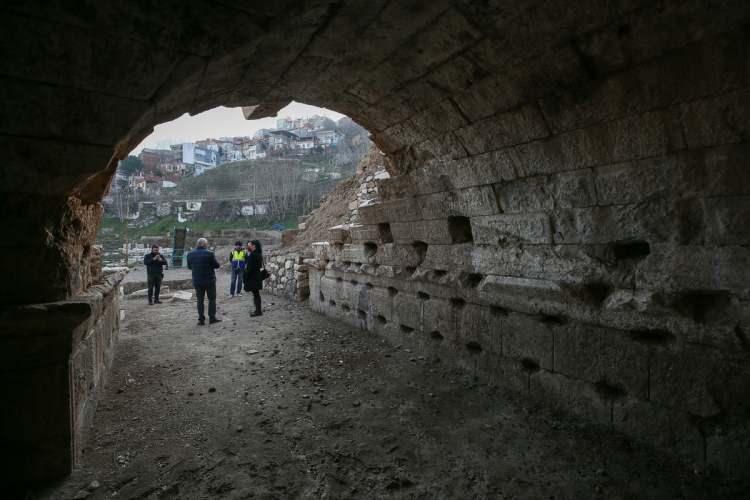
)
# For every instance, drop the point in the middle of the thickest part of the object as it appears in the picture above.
(295, 405)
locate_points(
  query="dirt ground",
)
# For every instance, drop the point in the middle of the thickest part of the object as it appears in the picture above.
(295, 405)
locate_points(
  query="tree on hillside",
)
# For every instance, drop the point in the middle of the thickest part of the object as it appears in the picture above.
(328, 124)
(130, 165)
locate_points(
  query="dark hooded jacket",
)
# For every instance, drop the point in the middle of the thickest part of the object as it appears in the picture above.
(253, 265)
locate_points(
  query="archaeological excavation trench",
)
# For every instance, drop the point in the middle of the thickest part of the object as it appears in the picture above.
(566, 211)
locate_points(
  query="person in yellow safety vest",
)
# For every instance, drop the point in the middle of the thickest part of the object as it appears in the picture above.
(237, 258)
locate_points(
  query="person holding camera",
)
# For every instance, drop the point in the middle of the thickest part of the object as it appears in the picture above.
(155, 265)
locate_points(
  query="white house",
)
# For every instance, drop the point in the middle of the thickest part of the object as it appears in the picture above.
(328, 137)
(305, 143)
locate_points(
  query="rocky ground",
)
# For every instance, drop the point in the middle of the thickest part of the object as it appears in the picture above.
(295, 405)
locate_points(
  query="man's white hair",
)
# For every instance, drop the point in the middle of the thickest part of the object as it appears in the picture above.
(202, 243)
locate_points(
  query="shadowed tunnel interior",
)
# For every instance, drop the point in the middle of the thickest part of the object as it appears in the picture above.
(567, 206)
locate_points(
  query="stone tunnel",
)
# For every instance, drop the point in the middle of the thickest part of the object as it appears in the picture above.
(568, 204)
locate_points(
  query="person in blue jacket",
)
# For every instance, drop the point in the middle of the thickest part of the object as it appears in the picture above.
(202, 262)
(237, 258)
(155, 263)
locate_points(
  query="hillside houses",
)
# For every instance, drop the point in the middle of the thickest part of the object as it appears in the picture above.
(292, 137)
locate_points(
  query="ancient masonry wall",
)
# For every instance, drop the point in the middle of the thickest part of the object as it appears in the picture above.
(56, 379)
(603, 269)
(288, 276)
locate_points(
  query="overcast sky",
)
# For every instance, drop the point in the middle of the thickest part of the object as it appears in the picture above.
(221, 122)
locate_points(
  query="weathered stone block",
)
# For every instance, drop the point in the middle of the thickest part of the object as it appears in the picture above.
(381, 303)
(504, 129)
(407, 310)
(447, 257)
(728, 220)
(529, 338)
(718, 120)
(338, 234)
(513, 228)
(353, 253)
(632, 182)
(440, 317)
(392, 254)
(695, 267)
(429, 231)
(560, 263)
(658, 134)
(728, 446)
(467, 202)
(688, 380)
(533, 194)
(572, 396)
(479, 330)
(574, 189)
(655, 221)
(397, 210)
(362, 234)
(664, 428)
(599, 355)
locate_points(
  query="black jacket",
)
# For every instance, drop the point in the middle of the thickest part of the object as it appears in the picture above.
(202, 262)
(253, 265)
(154, 266)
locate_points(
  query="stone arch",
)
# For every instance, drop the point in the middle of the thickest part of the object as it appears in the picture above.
(557, 129)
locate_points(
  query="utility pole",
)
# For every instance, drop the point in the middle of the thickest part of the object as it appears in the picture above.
(125, 229)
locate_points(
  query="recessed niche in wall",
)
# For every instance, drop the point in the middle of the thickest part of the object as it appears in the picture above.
(609, 391)
(471, 280)
(420, 247)
(439, 274)
(654, 336)
(498, 311)
(406, 329)
(474, 347)
(458, 303)
(370, 249)
(384, 232)
(635, 249)
(530, 365)
(459, 228)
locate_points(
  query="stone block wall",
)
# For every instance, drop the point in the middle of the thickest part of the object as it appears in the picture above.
(54, 359)
(666, 369)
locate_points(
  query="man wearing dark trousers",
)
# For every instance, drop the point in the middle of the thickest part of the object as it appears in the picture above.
(203, 264)
(155, 263)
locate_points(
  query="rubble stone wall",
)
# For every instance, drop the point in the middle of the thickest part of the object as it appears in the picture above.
(288, 276)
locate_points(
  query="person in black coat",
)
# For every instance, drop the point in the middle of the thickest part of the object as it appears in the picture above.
(155, 263)
(252, 278)
(203, 264)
